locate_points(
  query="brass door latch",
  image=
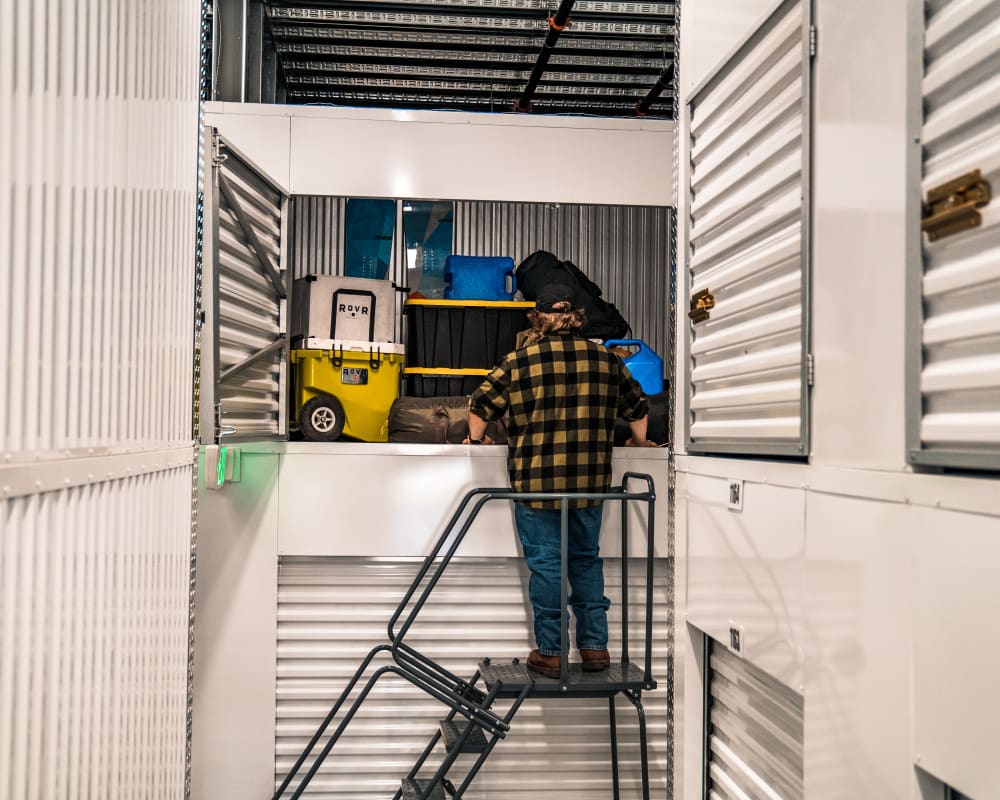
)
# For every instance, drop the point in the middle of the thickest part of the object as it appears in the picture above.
(701, 304)
(953, 207)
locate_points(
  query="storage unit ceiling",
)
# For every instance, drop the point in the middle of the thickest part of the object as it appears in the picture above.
(474, 55)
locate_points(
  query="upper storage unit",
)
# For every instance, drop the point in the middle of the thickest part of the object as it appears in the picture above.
(954, 332)
(244, 291)
(748, 244)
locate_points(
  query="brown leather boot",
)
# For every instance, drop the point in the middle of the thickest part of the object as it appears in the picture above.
(544, 665)
(595, 660)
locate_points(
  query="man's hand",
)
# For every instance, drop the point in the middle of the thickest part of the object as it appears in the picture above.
(630, 442)
(486, 440)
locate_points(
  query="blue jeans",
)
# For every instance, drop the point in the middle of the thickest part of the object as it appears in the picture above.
(539, 530)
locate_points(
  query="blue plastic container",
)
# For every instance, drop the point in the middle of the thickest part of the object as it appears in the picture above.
(646, 367)
(479, 278)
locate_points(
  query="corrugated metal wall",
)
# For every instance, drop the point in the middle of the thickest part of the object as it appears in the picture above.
(624, 249)
(960, 371)
(749, 246)
(98, 169)
(94, 639)
(248, 288)
(756, 732)
(332, 611)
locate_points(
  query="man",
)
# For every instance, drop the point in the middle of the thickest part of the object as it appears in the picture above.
(563, 394)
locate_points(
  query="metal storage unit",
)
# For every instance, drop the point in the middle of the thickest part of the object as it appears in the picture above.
(748, 244)
(754, 731)
(331, 611)
(245, 293)
(953, 404)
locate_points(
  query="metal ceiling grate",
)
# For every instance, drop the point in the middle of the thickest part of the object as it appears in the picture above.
(473, 55)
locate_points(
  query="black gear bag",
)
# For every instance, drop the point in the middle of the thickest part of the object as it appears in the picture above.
(541, 268)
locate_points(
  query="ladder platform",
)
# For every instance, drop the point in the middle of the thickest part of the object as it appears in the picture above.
(514, 675)
(452, 730)
(412, 787)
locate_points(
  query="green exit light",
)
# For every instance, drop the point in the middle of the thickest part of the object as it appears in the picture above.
(220, 467)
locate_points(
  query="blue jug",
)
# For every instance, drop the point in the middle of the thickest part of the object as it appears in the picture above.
(646, 367)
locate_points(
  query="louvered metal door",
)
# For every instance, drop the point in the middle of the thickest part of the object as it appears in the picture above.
(332, 611)
(753, 732)
(954, 332)
(748, 244)
(245, 307)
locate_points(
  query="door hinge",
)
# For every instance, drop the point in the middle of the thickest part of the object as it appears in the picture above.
(810, 370)
(954, 206)
(812, 41)
(218, 157)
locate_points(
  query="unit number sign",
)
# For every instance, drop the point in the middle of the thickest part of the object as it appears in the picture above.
(354, 376)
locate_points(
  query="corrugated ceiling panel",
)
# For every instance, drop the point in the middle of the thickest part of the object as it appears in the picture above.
(250, 298)
(756, 732)
(960, 377)
(748, 249)
(332, 611)
(94, 640)
(97, 219)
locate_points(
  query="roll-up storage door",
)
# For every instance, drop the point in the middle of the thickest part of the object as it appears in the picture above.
(954, 403)
(244, 297)
(754, 732)
(332, 611)
(748, 240)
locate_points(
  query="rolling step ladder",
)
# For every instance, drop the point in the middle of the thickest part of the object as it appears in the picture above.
(472, 724)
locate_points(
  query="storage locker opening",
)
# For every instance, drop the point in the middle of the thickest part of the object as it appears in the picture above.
(372, 279)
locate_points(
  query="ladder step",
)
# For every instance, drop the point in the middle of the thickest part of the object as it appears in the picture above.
(470, 692)
(412, 787)
(452, 730)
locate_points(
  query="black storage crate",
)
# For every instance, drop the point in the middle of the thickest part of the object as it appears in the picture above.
(462, 334)
(419, 382)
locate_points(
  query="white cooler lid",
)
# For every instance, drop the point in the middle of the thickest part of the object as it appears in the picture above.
(352, 345)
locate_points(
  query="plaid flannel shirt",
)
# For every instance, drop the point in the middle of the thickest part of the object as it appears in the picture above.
(563, 395)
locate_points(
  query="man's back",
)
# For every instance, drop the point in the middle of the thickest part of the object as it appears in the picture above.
(563, 394)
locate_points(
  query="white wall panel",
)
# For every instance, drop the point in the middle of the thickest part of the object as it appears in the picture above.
(959, 382)
(955, 721)
(748, 244)
(859, 657)
(94, 640)
(97, 183)
(454, 155)
(744, 569)
(331, 612)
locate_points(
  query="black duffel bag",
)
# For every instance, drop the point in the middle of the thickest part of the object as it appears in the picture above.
(542, 268)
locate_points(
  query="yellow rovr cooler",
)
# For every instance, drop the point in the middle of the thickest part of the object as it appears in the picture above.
(345, 387)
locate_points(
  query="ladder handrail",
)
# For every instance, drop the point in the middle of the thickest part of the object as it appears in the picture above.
(435, 680)
(620, 492)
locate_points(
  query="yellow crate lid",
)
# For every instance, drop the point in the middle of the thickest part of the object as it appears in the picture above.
(523, 304)
(443, 371)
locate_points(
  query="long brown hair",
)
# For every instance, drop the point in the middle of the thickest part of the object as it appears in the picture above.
(563, 318)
